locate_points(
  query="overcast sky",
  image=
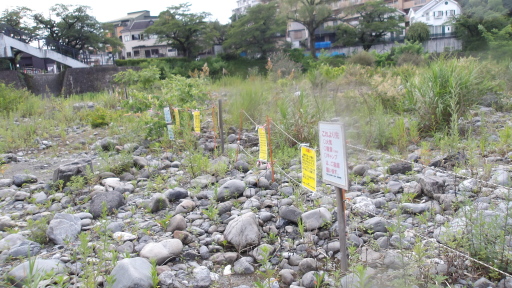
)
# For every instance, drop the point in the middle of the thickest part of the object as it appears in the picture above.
(110, 10)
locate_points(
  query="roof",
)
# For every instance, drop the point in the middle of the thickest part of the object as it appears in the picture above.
(131, 16)
(139, 25)
(433, 4)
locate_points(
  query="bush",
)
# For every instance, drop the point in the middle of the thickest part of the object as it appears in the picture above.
(11, 98)
(409, 58)
(362, 58)
(99, 117)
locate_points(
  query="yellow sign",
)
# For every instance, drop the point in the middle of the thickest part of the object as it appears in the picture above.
(197, 121)
(308, 159)
(176, 117)
(263, 144)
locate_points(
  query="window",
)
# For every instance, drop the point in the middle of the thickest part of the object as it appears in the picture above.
(154, 52)
(135, 37)
(128, 54)
(136, 53)
(450, 12)
(427, 16)
(438, 14)
(126, 38)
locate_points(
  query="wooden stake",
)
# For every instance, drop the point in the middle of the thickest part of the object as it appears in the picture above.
(221, 127)
(342, 227)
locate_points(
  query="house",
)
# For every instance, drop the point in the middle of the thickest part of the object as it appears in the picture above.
(130, 30)
(243, 5)
(438, 15)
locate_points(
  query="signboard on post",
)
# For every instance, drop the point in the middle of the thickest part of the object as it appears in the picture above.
(334, 172)
(263, 144)
(308, 160)
(177, 117)
(197, 121)
(168, 121)
(333, 153)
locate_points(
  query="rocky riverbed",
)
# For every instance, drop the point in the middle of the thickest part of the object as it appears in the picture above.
(142, 218)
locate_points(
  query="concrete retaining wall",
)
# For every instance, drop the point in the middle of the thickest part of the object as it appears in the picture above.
(434, 45)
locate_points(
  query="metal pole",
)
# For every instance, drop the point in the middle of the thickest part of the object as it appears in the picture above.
(340, 198)
(221, 127)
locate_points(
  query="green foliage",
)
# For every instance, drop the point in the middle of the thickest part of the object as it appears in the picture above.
(363, 58)
(418, 32)
(183, 92)
(212, 212)
(38, 229)
(99, 117)
(196, 164)
(410, 52)
(144, 78)
(178, 27)
(376, 20)
(500, 41)
(11, 98)
(255, 32)
(445, 90)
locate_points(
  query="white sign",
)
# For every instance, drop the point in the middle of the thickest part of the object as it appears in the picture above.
(333, 153)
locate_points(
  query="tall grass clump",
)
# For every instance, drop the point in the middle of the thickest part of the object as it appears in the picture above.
(444, 91)
(11, 98)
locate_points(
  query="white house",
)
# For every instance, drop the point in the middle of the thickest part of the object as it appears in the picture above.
(438, 15)
(137, 44)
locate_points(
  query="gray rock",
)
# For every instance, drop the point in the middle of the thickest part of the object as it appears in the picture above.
(63, 227)
(185, 206)
(106, 144)
(40, 197)
(262, 252)
(412, 187)
(6, 183)
(286, 190)
(132, 273)
(393, 260)
(11, 240)
(41, 266)
(231, 189)
(502, 178)
(176, 194)
(158, 202)
(75, 168)
(110, 200)
(4, 193)
(177, 222)
(483, 283)
(140, 162)
(21, 196)
(243, 231)
(224, 258)
(308, 264)
(115, 227)
(290, 213)
(224, 207)
(20, 179)
(288, 276)
(394, 186)
(353, 280)
(242, 266)
(241, 166)
(415, 208)
(376, 224)
(162, 251)
(364, 206)
(316, 218)
(505, 283)
(116, 185)
(25, 248)
(203, 181)
(201, 277)
(400, 168)
(431, 185)
(8, 158)
(359, 170)
(167, 279)
(309, 279)
(126, 247)
(6, 222)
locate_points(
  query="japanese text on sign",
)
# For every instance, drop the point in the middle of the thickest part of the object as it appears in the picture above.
(308, 159)
(332, 151)
(197, 121)
(263, 144)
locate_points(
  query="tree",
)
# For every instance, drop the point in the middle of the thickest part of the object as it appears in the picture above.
(14, 23)
(375, 21)
(256, 32)
(179, 28)
(310, 13)
(418, 32)
(491, 14)
(218, 32)
(500, 41)
(71, 27)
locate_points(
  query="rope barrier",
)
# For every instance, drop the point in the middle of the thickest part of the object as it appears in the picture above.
(391, 220)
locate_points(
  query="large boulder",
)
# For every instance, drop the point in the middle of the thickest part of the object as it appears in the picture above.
(230, 189)
(290, 213)
(243, 231)
(105, 200)
(431, 185)
(76, 168)
(63, 227)
(132, 273)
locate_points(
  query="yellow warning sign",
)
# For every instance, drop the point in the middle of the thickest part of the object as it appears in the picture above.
(197, 121)
(308, 159)
(263, 144)
(177, 117)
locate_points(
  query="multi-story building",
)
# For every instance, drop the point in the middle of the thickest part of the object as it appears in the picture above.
(438, 15)
(137, 44)
(243, 5)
